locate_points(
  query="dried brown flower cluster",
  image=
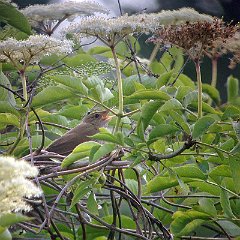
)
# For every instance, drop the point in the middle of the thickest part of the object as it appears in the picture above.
(233, 46)
(195, 38)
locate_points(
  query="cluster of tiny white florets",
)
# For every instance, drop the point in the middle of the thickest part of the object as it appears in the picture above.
(14, 185)
(151, 22)
(40, 15)
(105, 28)
(21, 53)
(108, 28)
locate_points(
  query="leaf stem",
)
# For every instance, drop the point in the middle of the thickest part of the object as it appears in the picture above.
(24, 84)
(214, 147)
(120, 89)
(154, 53)
(199, 84)
(19, 137)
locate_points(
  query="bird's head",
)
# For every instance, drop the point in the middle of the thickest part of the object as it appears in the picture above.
(99, 118)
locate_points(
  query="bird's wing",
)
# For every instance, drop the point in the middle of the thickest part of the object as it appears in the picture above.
(65, 144)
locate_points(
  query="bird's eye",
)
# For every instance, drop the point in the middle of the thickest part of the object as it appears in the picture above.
(97, 115)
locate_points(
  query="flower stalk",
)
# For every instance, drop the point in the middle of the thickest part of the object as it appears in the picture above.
(120, 89)
(154, 52)
(199, 85)
(214, 72)
(24, 84)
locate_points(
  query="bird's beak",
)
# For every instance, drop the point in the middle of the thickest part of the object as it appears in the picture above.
(105, 115)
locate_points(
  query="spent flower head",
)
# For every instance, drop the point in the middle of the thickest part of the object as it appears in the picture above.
(15, 185)
(233, 46)
(195, 37)
(48, 17)
(22, 53)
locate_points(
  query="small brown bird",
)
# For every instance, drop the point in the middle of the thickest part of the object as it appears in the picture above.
(88, 127)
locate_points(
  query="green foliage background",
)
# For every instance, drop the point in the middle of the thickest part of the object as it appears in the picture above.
(192, 193)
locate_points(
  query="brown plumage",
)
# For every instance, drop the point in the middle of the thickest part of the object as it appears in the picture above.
(88, 127)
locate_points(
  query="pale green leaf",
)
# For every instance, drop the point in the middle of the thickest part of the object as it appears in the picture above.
(103, 151)
(50, 95)
(201, 126)
(92, 204)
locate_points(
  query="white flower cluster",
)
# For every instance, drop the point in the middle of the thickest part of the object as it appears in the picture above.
(32, 49)
(151, 22)
(14, 185)
(106, 28)
(42, 13)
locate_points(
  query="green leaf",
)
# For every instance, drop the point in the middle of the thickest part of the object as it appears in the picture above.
(75, 112)
(231, 111)
(160, 183)
(207, 205)
(79, 152)
(6, 107)
(92, 205)
(103, 151)
(180, 121)
(234, 164)
(162, 130)
(207, 108)
(5, 234)
(190, 97)
(79, 59)
(98, 50)
(205, 187)
(232, 88)
(120, 138)
(106, 136)
(138, 86)
(190, 171)
(164, 77)
(50, 59)
(186, 222)
(172, 104)
(225, 203)
(221, 170)
(149, 94)
(232, 228)
(148, 110)
(9, 119)
(72, 82)
(201, 126)
(10, 15)
(86, 146)
(184, 80)
(6, 95)
(51, 94)
(212, 92)
(82, 189)
(182, 91)
(101, 94)
(9, 219)
(140, 130)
